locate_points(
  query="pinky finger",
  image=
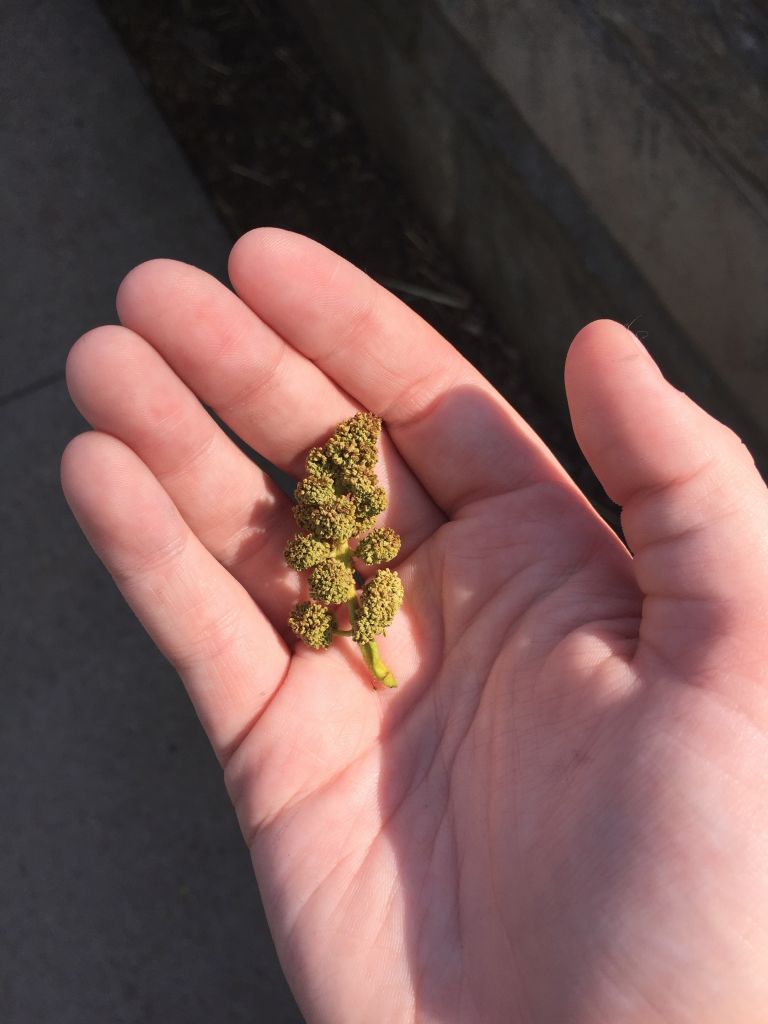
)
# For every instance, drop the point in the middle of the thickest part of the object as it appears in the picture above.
(227, 653)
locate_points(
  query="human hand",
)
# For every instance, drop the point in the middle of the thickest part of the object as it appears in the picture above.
(559, 817)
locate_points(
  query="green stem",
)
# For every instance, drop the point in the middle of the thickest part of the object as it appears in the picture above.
(343, 553)
(373, 660)
(370, 652)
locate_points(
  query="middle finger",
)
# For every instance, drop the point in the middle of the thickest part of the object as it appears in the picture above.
(273, 397)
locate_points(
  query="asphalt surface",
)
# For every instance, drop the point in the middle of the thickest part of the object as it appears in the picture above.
(126, 892)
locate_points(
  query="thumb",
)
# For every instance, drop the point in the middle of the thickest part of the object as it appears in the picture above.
(694, 508)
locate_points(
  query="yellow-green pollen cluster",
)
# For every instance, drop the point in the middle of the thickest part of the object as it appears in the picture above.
(381, 545)
(332, 582)
(338, 501)
(313, 623)
(303, 551)
(332, 520)
(382, 596)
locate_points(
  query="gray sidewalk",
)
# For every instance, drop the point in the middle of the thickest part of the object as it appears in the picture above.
(126, 893)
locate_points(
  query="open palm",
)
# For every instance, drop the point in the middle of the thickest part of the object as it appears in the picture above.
(560, 814)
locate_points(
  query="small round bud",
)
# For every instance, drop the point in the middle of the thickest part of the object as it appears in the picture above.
(379, 546)
(356, 479)
(354, 441)
(368, 506)
(316, 461)
(332, 582)
(315, 489)
(303, 551)
(361, 429)
(313, 623)
(342, 455)
(333, 521)
(381, 598)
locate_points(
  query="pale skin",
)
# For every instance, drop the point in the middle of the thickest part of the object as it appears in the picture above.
(560, 815)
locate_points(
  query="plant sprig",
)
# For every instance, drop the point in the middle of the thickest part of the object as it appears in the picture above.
(337, 504)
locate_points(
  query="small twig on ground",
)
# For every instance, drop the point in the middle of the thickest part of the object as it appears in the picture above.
(251, 174)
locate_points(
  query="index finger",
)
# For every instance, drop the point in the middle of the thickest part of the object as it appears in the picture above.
(455, 431)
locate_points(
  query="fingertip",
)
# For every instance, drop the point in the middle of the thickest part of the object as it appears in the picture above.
(624, 413)
(637, 430)
(81, 468)
(117, 501)
(137, 276)
(69, 459)
(77, 358)
(602, 327)
(264, 242)
(85, 457)
(149, 280)
(599, 344)
(268, 260)
(83, 367)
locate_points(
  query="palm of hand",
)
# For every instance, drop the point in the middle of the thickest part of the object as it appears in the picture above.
(522, 831)
(529, 801)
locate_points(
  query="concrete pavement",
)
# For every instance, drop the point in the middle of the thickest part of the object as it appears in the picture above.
(126, 893)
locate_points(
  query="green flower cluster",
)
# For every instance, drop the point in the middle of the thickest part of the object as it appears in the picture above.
(337, 501)
(313, 623)
(382, 597)
(315, 489)
(333, 520)
(332, 582)
(303, 551)
(380, 545)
